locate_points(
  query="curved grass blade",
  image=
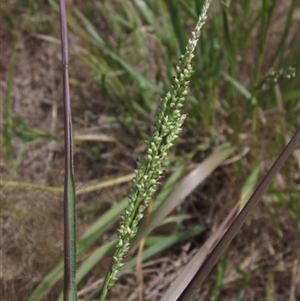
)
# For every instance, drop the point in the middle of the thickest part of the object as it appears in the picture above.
(8, 106)
(88, 264)
(249, 186)
(190, 12)
(81, 189)
(163, 243)
(149, 16)
(30, 186)
(92, 186)
(97, 39)
(168, 187)
(94, 37)
(241, 89)
(283, 41)
(177, 24)
(86, 240)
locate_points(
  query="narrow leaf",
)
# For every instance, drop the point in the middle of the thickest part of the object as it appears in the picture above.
(92, 260)
(249, 186)
(86, 240)
(162, 244)
(241, 89)
(143, 80)
(8, 107)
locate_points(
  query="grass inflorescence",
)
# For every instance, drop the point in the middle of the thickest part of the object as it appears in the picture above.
(149, 168)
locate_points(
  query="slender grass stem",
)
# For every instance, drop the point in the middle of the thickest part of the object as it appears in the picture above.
(70, 292)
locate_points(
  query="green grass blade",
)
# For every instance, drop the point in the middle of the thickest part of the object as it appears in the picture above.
(220, 273)
(30, 186)
(138, 76)
(246, 9)
(81, 189)
(48, 281)
(177, 24)
(8, 107)
(100, 226)
(249, 186)
(94, 37)
(241, 89)
(86, 240)
(18, 159)
(92, 186)
(88, 264)
(285, 34)
(27, 133)
(97, 39)
(267, 12)
(162, 244)
(92, 260)
(229, 40)
(186, 7)
(167, 187)
(149, 16)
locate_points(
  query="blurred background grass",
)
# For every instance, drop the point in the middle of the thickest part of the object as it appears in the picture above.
(123, 55)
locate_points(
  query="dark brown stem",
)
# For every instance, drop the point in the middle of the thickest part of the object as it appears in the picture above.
(69, 204)
(214, 256)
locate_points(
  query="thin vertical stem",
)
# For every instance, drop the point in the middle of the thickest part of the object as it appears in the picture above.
(70, 293)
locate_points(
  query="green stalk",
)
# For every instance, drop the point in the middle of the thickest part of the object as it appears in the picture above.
(267, 12)
(282, 43)
(70, 292)
(8, 108)
(177, 24)
(231, 49)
